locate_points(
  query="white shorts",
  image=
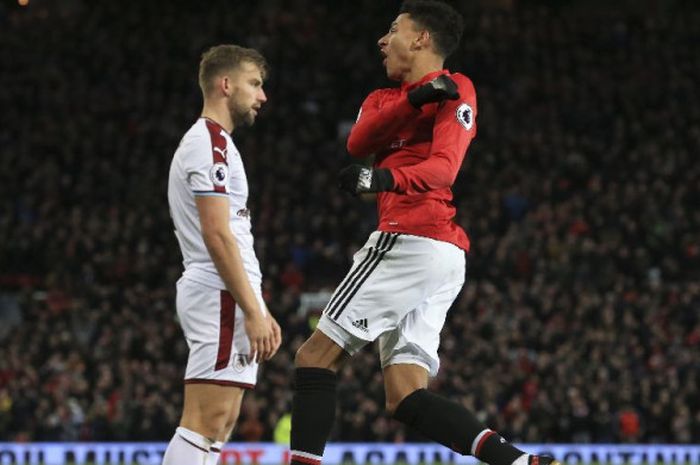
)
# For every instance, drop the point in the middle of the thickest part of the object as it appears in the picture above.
(214, 328)
(398, 290)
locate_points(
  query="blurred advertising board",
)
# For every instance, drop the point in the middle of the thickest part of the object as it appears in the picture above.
(337, 453)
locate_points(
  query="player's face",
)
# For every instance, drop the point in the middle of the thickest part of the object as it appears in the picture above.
(395, 46)
(248, 95)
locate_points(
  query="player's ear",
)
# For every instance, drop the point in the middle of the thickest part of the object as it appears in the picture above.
(226, 85)
(422, 40)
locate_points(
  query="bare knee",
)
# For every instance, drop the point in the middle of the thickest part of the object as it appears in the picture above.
(319, 351)
(209, 409)
(400, 381)
(228, 428)
(304, 357)
(219, 418)
(209, 422)
(393, 402)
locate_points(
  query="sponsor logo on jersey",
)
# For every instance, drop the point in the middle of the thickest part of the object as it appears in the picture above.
(465, 116)
(397, 144)
(219, 174)
(243, 212)
(224, 153)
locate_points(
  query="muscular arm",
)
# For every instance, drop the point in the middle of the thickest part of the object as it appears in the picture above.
(377, 125)
(224, 252)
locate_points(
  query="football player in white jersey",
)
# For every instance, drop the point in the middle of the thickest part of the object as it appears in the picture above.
(219, 301)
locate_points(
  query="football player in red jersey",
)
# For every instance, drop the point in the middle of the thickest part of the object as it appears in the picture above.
(405, 278)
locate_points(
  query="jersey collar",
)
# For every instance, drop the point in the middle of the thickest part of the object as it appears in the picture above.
(427, 78)
(214, 123)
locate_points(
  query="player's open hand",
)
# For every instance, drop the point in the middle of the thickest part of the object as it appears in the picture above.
(276, 334)
(260, 335)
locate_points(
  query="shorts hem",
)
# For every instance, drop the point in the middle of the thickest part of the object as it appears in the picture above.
(410, 361)
(334, 332)
(220, 382)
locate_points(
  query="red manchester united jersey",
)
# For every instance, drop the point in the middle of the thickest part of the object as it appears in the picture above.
(424, 150)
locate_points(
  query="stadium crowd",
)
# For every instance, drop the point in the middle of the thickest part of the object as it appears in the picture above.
(580, 320)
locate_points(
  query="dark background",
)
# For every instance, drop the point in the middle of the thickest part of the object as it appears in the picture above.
(580, 320)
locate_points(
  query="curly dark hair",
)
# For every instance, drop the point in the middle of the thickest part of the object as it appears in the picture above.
(443, 22)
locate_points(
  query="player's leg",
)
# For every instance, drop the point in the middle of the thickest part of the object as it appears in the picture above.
(218, 370)
(402, 380)
(208, 416)
(207, 408)
(225, 434)
(451, 424)
(409, 355)
(372, 299)
(442, 420)
(313, 405)
(317, 361)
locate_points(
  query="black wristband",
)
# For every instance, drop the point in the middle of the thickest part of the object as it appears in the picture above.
(382, 180)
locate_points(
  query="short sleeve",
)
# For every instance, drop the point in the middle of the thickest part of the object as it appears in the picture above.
(206, 163)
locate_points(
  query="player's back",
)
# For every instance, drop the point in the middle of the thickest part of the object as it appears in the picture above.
(207, 163)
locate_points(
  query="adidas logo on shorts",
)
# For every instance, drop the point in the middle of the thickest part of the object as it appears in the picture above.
(361, 324)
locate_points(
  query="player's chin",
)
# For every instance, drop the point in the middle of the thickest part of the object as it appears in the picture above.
(393, 75)
(249, 119)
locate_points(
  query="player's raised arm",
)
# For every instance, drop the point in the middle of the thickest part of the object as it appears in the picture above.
(377, 123)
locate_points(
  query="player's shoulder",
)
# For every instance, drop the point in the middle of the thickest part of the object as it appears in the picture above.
(197, 132)
(463, 83)
(384, 93)
(196, 142)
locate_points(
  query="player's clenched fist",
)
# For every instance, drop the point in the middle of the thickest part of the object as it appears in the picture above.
(439, 89)
(358, 179)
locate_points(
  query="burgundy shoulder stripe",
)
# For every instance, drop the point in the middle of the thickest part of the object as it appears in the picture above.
(218, 148)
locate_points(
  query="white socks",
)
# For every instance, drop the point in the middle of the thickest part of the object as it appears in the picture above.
(522, 460)
(188, 448)
(214, 453)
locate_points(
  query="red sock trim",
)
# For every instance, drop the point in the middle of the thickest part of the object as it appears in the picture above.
(481, 443)
(310, 461)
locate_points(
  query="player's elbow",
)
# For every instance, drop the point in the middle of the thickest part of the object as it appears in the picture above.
(214, 237)
(442, 176)
(421, 185)
(356, 149)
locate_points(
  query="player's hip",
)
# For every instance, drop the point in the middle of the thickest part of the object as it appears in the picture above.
(205, 274)
(391, 275)
(214, 326)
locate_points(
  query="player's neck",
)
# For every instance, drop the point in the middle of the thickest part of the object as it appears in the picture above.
(220, 115)
(422, 66)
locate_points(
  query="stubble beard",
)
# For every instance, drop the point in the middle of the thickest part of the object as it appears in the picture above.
(240, 115)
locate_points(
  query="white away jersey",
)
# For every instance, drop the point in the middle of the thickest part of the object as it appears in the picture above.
(208, 163)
